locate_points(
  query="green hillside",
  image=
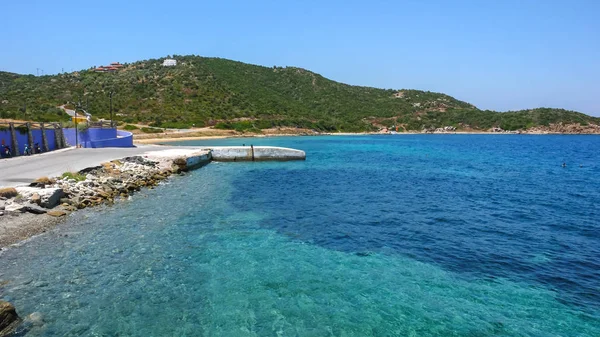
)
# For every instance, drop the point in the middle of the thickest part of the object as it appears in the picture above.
(228, 94)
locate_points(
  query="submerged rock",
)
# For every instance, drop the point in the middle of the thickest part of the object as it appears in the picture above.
(9, 320)
(35, 319)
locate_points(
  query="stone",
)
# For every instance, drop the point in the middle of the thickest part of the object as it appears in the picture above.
(49, 197)
(14, 207)
(2, 205)
(36, 199)
(57, 213)
(9, 320)
(33, 208)
(35, 319)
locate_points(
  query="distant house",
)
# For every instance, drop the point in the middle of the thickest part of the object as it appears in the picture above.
(169, 63)
(115, 66)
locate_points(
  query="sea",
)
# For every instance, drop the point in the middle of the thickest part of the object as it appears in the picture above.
(382, 235)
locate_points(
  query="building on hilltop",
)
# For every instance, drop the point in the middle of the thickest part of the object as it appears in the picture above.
(169, 63)
(115, 66)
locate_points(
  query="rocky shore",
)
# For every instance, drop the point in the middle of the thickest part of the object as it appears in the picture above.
(26, 211)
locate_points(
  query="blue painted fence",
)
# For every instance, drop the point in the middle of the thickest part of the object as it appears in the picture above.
(97, 137)
(6, 139)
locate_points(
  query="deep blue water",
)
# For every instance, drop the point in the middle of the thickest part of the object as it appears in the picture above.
(411, 235)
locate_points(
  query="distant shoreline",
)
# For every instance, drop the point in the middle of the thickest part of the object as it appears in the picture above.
(167, 138)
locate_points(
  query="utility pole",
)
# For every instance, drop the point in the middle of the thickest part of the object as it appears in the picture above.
(111, 116)
(37, 71)
(76, 129)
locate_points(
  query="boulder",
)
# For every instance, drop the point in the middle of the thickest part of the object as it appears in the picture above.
(35, 319)
(9, 320)
(2, 205)
(48, 197)
(36, 199)
(57, 213)
(14, 207)
(33, 208)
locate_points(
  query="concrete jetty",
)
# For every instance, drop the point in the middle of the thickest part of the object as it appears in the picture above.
(255, 153)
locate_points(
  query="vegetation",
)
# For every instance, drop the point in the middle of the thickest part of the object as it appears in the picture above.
(227, 94)
(73, 175)
(152, 130)
(130, 127)
(8, 192)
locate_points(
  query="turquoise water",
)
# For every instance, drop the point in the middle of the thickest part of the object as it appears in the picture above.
(371, 236)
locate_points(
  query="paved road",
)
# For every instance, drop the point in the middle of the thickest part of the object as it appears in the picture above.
(72, 112)
(23, 170)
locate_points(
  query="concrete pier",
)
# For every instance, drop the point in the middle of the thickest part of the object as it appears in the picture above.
(185, 158)
(255, 153)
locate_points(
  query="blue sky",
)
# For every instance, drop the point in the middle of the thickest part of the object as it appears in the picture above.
(500, 55)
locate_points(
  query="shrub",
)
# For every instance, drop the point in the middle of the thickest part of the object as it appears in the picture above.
(8, 192)
(72, 175)
(44, 180)
(22, 129)
(130, 127)
(152, 130)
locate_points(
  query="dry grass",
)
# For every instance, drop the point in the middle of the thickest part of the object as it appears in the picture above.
(8, 192)
(45, 181)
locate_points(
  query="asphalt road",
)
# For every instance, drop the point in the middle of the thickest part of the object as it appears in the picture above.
(25, 169)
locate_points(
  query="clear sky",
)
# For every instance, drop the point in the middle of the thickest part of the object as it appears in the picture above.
(500, 55)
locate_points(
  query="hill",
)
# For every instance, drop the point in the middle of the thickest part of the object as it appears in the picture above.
(227, 94)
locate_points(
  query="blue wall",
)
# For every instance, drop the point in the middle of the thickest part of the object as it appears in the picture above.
(95, 137)
(6, 139)
(92, 138)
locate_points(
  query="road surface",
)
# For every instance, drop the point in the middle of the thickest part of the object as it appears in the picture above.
(25, 169)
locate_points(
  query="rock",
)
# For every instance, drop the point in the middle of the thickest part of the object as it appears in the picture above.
(70, 208)
(35, 319)
(36, 199)
(57, 213)
(14, 207)
(49, 197)
(2, 205)
(9, 320)
(32, 208)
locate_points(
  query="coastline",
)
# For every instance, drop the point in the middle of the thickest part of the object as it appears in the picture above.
(170, 139)
(31, 209)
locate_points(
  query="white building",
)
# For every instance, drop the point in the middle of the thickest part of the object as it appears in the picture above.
(169, 63)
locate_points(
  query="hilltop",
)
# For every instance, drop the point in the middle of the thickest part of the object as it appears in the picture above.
(201, 91)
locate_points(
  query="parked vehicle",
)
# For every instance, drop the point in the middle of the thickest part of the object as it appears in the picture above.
(6, 153)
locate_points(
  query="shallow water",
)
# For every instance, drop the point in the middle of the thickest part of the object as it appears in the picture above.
(371, 236)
